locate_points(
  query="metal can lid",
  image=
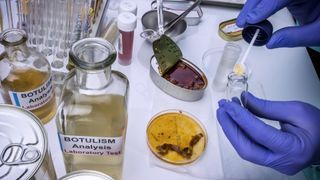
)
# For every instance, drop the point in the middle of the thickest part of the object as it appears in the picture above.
(23, 143)
(86, 174)
(263, 36)
(229, 31)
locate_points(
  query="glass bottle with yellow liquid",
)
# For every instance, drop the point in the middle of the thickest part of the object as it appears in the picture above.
(92, 114)
(25, 76)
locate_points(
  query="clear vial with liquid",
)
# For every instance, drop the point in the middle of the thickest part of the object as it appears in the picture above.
(92, 114)
(237, 83)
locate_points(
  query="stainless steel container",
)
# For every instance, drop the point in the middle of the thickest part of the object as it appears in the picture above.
(178, 6)
(150, 21)
(86, 175)
(23, 146)
(172, 89)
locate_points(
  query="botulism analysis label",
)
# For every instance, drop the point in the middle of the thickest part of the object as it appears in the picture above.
(34, 99)
(87, 145)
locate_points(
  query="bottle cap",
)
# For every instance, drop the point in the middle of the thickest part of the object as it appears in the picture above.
(128, 6)
(127, 21)
(263, 36)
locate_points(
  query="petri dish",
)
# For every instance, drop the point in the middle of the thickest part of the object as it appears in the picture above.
(210, 60)
(176, 137)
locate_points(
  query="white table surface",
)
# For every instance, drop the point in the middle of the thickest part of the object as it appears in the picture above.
(286, 74)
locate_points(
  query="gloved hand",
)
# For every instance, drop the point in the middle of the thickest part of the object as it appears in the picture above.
(306, 12)
(288, 150)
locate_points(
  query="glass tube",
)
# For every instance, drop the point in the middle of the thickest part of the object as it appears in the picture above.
(47, 45)
(9, 13)
(231, 54)
(58, 24)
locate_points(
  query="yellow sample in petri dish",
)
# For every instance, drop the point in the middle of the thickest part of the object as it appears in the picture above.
(176, 137)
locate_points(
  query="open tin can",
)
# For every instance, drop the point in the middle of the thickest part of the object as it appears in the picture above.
(23, 146)
(174, 90)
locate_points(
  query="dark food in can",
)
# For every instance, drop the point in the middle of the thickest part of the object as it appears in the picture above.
(184, 76)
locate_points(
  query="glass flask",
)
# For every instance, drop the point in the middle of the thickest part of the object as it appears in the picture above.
(92, 113)
(26, 76)
(237, 83)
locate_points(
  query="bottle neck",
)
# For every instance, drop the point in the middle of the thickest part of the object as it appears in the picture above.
(17, 53)
(93, 80)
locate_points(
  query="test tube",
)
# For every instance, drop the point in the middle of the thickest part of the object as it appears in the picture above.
(47, 44)
(9, 13)
(59, 23)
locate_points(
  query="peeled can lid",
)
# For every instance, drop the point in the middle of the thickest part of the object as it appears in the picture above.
(263, 36)
(127, 22)
(128, 6)
(23, 143)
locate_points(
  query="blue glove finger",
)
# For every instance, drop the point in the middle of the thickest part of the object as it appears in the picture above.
(296, 36)
(248, 6)
(257, 130)
(236, 100)
(247, 149)
(265, 9)
(274, 110)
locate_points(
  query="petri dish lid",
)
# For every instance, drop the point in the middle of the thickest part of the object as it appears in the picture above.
(179, 130)
(23, 143)
(263, 36)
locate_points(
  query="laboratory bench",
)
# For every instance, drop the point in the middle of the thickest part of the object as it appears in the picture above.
(277, 74)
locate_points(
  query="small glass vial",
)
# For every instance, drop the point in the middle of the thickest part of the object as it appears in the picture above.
(236, 85)
(127, 22)
(92, 113)
(26, 76)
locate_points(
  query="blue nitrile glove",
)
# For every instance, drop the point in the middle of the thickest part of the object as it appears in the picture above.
(288, 150)
(306, 12)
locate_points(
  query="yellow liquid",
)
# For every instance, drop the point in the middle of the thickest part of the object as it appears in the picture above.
(23, 80)
(100, 116)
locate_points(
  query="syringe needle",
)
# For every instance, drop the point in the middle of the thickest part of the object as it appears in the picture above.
(239, 68)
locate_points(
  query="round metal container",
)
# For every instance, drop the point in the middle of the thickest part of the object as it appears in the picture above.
(172, 89)
(229, 31)
(86, 175)
(150, 21)
(23, 146)
(176, 127)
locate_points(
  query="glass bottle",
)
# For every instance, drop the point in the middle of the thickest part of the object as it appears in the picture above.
(26, 76)
(237, 83)
(92, 114)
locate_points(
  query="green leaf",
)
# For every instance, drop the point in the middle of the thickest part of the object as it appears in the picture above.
(166, 52)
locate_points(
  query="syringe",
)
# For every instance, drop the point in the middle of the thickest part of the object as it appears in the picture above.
(239, 68)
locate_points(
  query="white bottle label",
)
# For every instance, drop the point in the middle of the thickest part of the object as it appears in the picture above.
(33, 99)
(87, 145)
(4, 69)
(120, 44)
